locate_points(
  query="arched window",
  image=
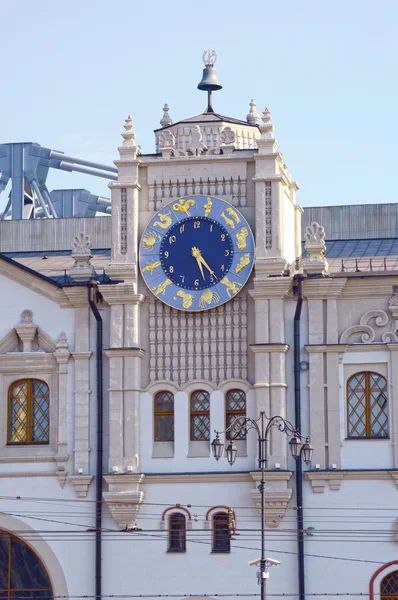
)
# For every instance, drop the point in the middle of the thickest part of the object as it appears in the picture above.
(177, 533)
(235, 407)
(389, 587)
(28, 412)
(200, 416)
(221, 533)
(22, 574)
(367, 406)
(164, 417)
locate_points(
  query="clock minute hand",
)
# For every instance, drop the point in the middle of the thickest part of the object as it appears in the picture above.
(196, 254)
(202, 260)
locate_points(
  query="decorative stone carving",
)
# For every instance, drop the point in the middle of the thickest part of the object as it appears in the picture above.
(166, 119)
(277, 495)
(315, 247)
(82, 269)
(268, 215)
(252, 117)
(196, 145)
(124, 498)
(266, 127)
(227, 136)
(366, 334)
(186, 346)
(27, 316)
(166, 143)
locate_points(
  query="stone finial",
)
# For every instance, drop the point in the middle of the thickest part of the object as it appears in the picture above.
(266, 127)
(128, 135)
(82, 269)
(315, 262)
(166, 119)
(81, 244)
(315, 233)
(252, 116)
(26, 316)
(62, 343)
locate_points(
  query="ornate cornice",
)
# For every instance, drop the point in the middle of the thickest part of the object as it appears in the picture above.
(316, 349)
(77, 296)
(198, 478)
(271, 287)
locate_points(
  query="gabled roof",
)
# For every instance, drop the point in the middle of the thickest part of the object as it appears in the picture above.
(209, 118)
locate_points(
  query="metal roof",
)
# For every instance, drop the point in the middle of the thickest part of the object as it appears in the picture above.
(358, 248)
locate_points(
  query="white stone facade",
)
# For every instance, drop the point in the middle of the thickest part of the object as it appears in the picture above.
(348, 325)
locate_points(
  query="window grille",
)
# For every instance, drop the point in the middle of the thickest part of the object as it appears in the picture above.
(28, 412)
(367, 406)
(200, 416)
(389, 587)
(164, 417)
(235, 407)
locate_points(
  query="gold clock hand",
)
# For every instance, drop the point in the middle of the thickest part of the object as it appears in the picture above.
(202, 260)
(197, 255)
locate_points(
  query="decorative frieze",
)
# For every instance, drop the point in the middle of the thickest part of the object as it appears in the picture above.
(210, 345)
(123, 221)
(268, 215)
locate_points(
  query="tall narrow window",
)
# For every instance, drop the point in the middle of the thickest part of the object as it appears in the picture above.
(28, 412)
(200, 416)
(235, 407)
(164, 417)
(177, 533)
(389, 587)
(367, 406)
(221, 533)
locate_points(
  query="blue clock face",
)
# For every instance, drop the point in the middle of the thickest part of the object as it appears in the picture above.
(196, 253)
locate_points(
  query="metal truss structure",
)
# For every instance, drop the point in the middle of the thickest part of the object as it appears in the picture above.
(27, 165)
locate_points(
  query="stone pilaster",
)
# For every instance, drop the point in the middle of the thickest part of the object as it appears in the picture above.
(393, 391)
(81, 356)
(125, 376)
(270, 351)
(62, 356)
(324, 353)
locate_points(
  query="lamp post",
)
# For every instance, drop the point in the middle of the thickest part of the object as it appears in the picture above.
(262, 426)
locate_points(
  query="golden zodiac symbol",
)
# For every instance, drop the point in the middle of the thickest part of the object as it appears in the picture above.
(184, 207)
(150, 239)
(228, 221)
(208, 206)
(233, 214)
(241, 238)
(161, 288)
(244, 261)
(151, 266)
(166, 221)
(186, 298)
(232, 286)
(207, 297)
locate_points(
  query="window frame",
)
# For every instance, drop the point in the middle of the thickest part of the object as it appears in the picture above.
(236, 413)
(158, 413)
(389, 596)
(29, 413)
(183, 520)
(221, 549)
(368, 416)
(195, 413)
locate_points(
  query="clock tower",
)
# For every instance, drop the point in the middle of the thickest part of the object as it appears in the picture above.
(205, 233)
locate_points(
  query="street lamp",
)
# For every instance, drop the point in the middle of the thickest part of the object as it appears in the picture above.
(262, 427)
